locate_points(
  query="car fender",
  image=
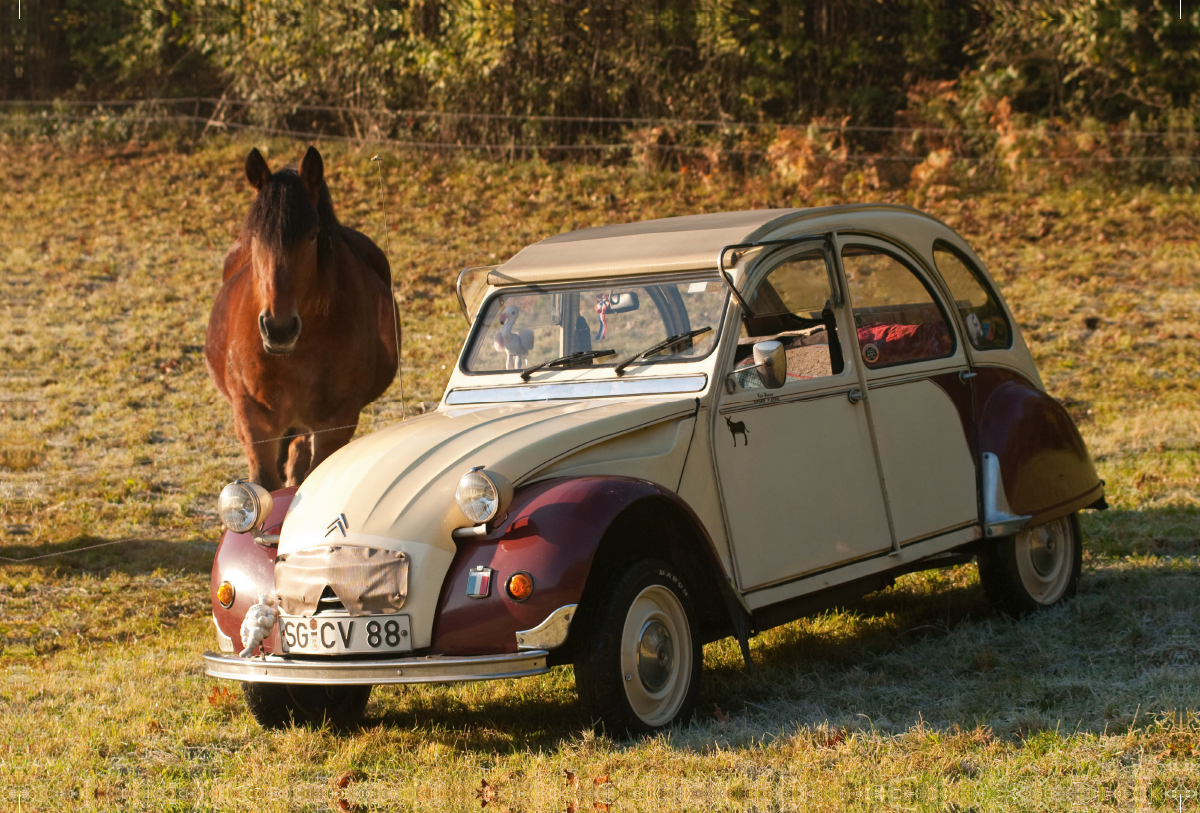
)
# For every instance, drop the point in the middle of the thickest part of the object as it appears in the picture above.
(552, 531)
(1044, 465)
(250, 568)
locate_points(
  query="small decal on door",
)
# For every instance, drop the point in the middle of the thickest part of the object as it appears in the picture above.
(737, 428)
(870, 353)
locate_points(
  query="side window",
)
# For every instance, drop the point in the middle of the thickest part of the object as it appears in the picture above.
(792, 305)
(987, 327)
(897, 318)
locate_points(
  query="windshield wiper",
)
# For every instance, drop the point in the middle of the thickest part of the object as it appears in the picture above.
(671, 341)
(566, 361)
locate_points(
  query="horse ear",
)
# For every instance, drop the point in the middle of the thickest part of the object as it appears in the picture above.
(312, 172)
(257, 171)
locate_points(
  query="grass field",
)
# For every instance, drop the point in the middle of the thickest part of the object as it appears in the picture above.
(916, 698)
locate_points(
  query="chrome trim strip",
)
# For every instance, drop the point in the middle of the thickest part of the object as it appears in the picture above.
(551, 633)
(430, 669)
(925, 373)
(470, 532)
(458, 288)
(571, 390)
(768, 399)
(729, 280)
(998, 518)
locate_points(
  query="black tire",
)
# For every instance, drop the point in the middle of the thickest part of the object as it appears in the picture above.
(1033, 570)
(278, 705)
(638, 669)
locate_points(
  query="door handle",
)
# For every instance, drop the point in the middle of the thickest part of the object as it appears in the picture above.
(855, 396)
(966, 375)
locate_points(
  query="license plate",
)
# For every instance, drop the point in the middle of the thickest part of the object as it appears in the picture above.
(339, 634)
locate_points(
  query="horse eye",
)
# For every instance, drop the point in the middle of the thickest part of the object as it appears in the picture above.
(313, 237)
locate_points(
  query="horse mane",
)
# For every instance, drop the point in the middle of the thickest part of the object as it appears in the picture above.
(282, 215)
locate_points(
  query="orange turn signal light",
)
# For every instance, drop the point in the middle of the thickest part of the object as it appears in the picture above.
(520, 586)
(225, 595)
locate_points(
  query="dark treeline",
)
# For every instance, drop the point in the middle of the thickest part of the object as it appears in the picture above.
(747, 60)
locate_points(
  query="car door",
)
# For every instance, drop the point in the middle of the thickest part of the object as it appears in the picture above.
(918, 390)
(796, 466)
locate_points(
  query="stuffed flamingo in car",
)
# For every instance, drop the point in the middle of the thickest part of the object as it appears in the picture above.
(514, 344)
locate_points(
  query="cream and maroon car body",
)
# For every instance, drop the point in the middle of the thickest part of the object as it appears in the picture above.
(775, 502)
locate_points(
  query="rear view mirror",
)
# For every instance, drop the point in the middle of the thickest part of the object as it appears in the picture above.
(771, 362)
(623, 302)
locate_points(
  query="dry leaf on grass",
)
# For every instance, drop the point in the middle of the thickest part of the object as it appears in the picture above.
(220, 696)
(830, 739)
(485, 794)
(720, 715)
(345, 806)
(348, 777)
(572, 779)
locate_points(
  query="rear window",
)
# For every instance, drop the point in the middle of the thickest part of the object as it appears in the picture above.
(987, 327)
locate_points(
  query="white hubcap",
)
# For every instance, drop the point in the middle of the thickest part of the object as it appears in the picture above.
(1045, 558)
(656, 655)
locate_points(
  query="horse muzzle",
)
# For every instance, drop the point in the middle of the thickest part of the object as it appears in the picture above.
(279, 337)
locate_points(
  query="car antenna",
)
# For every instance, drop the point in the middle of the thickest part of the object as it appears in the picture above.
(387, 244)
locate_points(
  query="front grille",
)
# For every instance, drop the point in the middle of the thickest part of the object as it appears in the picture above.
(330, 603)
(368, 581)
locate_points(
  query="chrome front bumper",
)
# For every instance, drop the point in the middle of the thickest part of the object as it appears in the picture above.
(430, 669)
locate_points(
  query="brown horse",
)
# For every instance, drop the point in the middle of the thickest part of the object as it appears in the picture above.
(303, 333)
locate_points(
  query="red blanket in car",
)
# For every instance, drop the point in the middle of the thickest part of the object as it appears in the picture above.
(891, 344)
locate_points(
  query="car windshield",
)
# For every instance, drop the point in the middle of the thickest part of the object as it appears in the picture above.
(528, 327)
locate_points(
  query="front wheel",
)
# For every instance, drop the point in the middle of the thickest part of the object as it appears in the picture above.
(639, 668)
(1034, 569)
(276, 705)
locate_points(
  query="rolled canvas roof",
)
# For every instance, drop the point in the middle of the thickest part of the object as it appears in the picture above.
(651, 246)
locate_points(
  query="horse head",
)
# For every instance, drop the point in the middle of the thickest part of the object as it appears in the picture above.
(289, 231)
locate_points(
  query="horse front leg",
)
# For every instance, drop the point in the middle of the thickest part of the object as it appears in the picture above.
(299, 459)
(326, 441)
(260, 439)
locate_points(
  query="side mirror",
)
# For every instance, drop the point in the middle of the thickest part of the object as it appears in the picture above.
(771, 362)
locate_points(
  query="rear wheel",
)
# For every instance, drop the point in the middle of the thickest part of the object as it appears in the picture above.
(1034, 569)
(277, 705)
(639, 668)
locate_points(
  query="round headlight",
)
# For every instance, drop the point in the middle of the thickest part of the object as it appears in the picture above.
(477, 497)
(242, 506)
(481, 495)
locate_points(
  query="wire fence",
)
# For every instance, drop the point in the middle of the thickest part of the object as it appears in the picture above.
(56, 554)
(77, 471)
(211, 448)
(503, 133)
(468, 116)
(229, 446)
